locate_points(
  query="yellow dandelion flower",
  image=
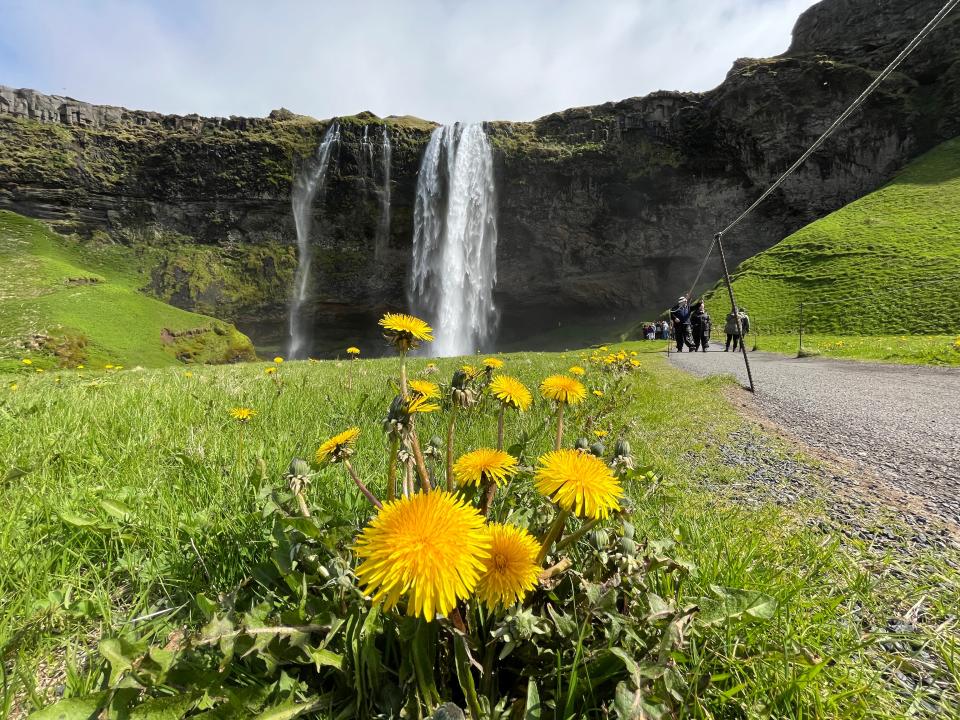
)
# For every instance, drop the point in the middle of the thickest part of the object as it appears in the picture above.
(420, 404)
(108, 366)
(579, 483)
(353, 350)
(428, 546)
(79, 367)
(511, 570)
(598, 393)
(13, 386)
(493, 363)
(405, 332)
(188, 374)
(334, 448)
(272, 370)
(470, 370)
(39, 370)
(484, 465)
(576, 370)
(425, 388)
(603, 348)
(278, 360)
(563, 389)
(635, 362)
(242, 414)
(600, 433)
(27, 361)
(511, 392)
(633, 353)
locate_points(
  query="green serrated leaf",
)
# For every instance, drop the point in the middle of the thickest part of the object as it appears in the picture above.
(325, 658)
(167, 708)
(286, 711)
(116, 509)
(75, 708)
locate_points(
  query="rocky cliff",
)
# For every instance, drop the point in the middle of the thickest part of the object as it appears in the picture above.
(604, 212)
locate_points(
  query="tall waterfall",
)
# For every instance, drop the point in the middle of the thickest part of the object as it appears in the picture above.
(455, 240)
(308, 183)
(383, 228)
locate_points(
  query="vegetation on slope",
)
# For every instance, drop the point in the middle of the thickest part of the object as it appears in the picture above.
(886, 264)
(159, 506)
(65, 304)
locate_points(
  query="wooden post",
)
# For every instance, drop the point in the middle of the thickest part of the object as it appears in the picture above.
(736, 310)
(800, 349)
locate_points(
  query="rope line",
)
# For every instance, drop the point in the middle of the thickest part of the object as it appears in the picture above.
(894, 64)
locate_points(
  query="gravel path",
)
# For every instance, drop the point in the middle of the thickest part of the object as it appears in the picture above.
(899, 423)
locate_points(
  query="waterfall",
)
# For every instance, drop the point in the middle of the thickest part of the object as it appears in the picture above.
(383, 229)
(455, 240)
(308, 183)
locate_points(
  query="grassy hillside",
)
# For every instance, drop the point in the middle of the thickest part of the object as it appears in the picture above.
(887, 264)
(64, 304)
(134, 513)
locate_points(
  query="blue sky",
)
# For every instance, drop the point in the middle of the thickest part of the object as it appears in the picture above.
(438, 59)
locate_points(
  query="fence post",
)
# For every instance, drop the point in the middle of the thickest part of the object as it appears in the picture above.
(736, 310)
(800, 349)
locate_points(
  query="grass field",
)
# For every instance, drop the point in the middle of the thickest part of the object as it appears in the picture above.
(902, 349)
(62, 304)
(128, 493)
(887, 264)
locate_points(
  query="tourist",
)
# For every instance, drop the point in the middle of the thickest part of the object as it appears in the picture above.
(665, 326)
(732, 331)
(648, 332)
(701, 324)
(680, 315)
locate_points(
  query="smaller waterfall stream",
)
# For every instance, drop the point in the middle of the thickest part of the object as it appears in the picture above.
(383, 228)
(308, 183)
(455, 240)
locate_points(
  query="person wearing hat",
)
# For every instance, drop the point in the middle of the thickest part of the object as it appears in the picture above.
(680, 317)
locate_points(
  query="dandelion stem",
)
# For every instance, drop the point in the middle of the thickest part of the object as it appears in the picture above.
(578, 533)
(392, 469)
(553, 534)
(465, 676)
(363, 488)
(403, 374)
(450, 429)
(408, 478)
(503, 410)
(559, 442)
(418, 455)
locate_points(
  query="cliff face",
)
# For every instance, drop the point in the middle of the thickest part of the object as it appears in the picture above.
(604, 212)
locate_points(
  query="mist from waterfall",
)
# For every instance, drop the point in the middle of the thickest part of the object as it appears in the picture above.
(306, 186)
(383, 228)
(455, 240)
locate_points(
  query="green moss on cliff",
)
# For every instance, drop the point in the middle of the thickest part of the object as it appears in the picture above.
(58, 307)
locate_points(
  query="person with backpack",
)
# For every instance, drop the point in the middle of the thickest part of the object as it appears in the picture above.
(680, 317)
(701, 325)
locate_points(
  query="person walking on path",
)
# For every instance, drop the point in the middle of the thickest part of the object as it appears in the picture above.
(680, 316)
(702, 325)
(733, 333)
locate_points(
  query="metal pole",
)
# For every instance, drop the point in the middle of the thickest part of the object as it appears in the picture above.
(800, 349)
(736, 310)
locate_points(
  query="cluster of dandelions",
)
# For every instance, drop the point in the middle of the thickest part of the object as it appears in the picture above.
(433, 546)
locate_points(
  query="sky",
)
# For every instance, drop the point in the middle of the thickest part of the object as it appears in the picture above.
(442, 60)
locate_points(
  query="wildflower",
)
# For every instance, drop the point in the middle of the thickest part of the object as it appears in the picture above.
(39, 370)
(576, 370)
(27, 361)
(188, 374)
(635, 362)
(470, 371)
(484, 465)
(419, 404)
(598, 393)
(511, 392)
(242, 414)
(600, 433)
(563, 389)
(278, 360)
(425, 388)
(353, 351)
(13, 386)
(603, 348)
(511, 570)
(492, 363)
(633, 353)
(79, 367)
(431, 368)
(579, 483)
(272, 370)
(108, 366)
(405, 332)
(429, 546)
(338, 447)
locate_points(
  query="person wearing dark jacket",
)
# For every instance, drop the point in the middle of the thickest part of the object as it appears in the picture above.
(680, 317)
(733, 331)
(701, 324)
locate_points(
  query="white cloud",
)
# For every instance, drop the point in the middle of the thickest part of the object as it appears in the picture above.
(439, 59)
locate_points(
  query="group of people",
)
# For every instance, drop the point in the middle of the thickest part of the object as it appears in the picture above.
(691, 326)
(656, 330)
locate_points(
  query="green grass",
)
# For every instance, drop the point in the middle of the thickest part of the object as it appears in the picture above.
(84, 301)
(887, 264)
(901, 349)
(128, 493)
